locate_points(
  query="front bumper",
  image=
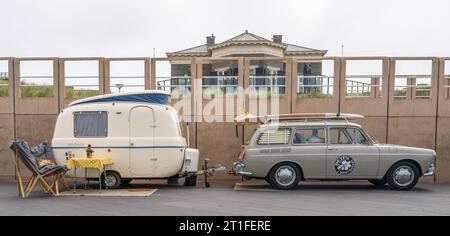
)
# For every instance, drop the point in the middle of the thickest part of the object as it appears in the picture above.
(430, 172)
(239, 169)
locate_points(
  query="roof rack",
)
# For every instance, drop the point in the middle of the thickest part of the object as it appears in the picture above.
(250, 119)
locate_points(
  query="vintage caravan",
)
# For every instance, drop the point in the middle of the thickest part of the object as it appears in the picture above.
(139, 131)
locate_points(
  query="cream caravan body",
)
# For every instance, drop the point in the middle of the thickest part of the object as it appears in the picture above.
(139, 131)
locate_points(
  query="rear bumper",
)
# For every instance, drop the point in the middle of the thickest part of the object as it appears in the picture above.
(239, 169)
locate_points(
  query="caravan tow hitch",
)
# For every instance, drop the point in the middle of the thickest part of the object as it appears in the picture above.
(209, 171)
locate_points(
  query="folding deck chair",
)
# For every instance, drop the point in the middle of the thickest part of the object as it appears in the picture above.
(23, 153)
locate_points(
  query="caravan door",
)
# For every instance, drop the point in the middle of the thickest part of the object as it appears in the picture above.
(142, 141)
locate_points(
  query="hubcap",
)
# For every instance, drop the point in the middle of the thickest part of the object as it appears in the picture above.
(404, 175)
(110, 180)
(285, 175)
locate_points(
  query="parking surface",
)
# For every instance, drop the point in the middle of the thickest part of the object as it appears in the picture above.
(309, 199)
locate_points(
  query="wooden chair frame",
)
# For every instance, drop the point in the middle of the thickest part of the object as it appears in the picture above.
(53, 188)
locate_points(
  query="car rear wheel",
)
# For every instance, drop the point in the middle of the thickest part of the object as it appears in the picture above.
(285, 176)
(378, 182)
(403, 176)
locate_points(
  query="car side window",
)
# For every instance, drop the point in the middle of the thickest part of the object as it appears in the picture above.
(356, 136)
(309, 136)
(339, 136)
(275, 137)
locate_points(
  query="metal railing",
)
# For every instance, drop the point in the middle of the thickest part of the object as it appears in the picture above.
(422, 90)
(121, 84)
(219, 86)
(272, 84)
(178, 86)
(315, 84)
(358, 89)
(77, 90)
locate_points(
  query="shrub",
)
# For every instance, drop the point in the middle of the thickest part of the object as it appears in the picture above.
(313, 95)
(4, 88)
(72, 93)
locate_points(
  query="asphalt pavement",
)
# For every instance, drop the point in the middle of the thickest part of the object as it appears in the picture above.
(328, 198)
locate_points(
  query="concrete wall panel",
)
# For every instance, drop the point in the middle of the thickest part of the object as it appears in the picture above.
(443, 150)
(7, 103)
(375, 127)
(316, 105)
(6, 155)
(219, 143)
(36, 105)
(35, 128)
(412, 131)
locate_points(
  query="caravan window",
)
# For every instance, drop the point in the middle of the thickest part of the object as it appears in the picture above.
(91, 124)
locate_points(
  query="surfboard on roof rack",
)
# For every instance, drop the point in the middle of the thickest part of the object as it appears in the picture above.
(248, 119)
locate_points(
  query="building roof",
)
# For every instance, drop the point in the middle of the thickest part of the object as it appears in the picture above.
(247, 38)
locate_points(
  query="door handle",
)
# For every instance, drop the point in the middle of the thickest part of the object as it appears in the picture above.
(153, 159)
(332, 149)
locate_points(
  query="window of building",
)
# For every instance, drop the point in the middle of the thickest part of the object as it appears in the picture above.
(339, 136)
(267, 78)
(273, 137)
(220, 79)
(91, 124)
(309, 136)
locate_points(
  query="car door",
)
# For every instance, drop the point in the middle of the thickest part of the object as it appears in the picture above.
(309, 149)
(142, 151)
(350, 154)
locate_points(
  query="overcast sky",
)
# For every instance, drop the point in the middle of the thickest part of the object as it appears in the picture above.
(135, 27)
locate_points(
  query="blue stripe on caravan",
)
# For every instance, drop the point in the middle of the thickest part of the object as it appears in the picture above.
(120, 147)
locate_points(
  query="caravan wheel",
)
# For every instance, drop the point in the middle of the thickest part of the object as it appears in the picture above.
(190, 181)
(112, 180)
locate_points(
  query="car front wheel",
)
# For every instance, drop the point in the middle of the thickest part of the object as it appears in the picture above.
(285, 176)
(403, 176)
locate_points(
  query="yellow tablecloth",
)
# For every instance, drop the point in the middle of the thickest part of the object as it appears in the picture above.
(92, 163)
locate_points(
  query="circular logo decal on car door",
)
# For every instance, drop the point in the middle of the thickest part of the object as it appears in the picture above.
(344, 165)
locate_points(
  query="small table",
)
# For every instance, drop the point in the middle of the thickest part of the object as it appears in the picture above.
(98, 163)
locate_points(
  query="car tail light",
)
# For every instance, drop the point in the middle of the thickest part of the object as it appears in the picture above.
(243, 154)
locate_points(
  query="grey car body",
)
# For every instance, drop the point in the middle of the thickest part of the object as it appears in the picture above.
(342, 151)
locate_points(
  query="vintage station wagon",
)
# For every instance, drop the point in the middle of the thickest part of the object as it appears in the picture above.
(328, 147)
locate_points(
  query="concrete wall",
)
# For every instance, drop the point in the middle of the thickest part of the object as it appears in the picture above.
(410, 121)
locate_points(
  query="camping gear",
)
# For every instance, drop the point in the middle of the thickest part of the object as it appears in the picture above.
(98, 163)
(24, 153)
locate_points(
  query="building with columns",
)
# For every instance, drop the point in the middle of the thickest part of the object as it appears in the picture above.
(264, 74)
